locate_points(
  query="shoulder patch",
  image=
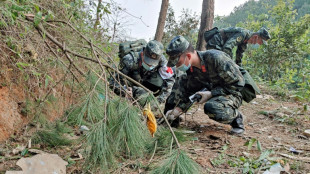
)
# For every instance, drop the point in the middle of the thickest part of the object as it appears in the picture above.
(121, 65)
(239, 39)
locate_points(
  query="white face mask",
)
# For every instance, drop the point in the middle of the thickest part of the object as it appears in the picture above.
(254, 46)
(148, 68)
(183, 67)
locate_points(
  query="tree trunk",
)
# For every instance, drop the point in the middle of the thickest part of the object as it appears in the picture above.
(207, 17)
(97, 22)
(161, 20)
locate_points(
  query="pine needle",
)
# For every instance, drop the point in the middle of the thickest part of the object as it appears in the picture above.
(50, 138)
(163, 139)
(129, 131)
(100, 149)
(177, 163)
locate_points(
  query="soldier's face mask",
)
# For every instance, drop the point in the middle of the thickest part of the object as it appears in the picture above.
(183, 67)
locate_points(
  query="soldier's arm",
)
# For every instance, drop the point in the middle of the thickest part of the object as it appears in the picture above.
(125, 66)
(167, 88)
(239, 54)
(232, 79)
(231, 42)
(179, 94)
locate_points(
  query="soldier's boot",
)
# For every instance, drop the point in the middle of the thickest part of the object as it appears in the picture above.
(237, 125)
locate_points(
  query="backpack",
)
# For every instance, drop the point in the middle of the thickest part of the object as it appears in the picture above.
(209, 34)
(250, 88)
(127, 47)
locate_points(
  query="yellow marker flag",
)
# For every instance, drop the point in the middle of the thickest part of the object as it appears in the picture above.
(151, 121)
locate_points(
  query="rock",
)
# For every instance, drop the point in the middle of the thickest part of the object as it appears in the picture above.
(307, 132)
(41, 163)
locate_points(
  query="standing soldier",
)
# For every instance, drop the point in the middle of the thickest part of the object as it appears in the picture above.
(226, 39)
(148, 67)
(213, 70)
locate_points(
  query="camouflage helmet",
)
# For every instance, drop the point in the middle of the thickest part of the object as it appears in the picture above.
(176, 47)
(263, 33)
(152, 52)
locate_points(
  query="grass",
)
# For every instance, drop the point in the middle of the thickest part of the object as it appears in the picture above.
(53, 135)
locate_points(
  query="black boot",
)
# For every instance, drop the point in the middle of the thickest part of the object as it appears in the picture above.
(237, 125)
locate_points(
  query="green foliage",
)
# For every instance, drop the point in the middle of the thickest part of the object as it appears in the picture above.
(251, 142)
(53, 135)
(177, 163)
(284, 61)
(99, 148)
(187, 26)
(165, 140)
(130, 135)
(220, 159)
(257, 8)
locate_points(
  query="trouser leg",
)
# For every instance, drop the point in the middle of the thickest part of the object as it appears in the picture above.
(224, 109)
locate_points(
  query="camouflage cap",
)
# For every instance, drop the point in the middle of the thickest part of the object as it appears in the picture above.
(263, 33)
(153, 51)
(176, 47)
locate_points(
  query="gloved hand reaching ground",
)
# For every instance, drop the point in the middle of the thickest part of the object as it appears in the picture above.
(171, 115)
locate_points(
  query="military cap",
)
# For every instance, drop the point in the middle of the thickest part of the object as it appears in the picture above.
(263, 33)
(153, 51)
(176, 47)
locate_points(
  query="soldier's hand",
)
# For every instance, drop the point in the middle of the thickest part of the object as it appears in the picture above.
(129, 91)
(205, 96)
(174, 113)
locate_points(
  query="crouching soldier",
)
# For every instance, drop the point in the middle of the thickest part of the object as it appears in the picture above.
(148, 67)
(213, 70)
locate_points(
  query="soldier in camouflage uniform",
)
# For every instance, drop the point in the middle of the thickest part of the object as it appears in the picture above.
(211, 69)
(148, 67)
(226, 39)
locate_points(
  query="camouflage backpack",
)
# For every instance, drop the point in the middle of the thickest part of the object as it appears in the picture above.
(127, 47)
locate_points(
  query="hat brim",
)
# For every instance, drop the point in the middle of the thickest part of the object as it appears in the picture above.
(150, 61)
(172, 62)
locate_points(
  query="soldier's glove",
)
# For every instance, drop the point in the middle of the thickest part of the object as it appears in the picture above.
(174, 113)
(205, 96)
(171, 115)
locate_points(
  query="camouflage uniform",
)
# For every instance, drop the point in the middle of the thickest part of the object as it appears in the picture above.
(159, 80)
(226, 39)
(221, 76)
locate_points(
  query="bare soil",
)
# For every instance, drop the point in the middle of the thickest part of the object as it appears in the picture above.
(280, 128)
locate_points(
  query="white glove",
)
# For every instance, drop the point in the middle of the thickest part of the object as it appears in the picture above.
(174, 113)
(205, 96)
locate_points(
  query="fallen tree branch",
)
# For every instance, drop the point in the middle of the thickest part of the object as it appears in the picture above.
(304, 159)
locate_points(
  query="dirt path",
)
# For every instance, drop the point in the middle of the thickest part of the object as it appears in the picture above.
(279, 129)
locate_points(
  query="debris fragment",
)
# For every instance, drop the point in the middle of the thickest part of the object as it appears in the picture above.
(275, 169)
(307, 132)
(18, 149)
(292, 149)
(41, 163)
(305, 159)
(84, 128)
(151, 121)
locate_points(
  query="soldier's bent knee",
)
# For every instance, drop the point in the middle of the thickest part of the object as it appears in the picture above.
(218, 113)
